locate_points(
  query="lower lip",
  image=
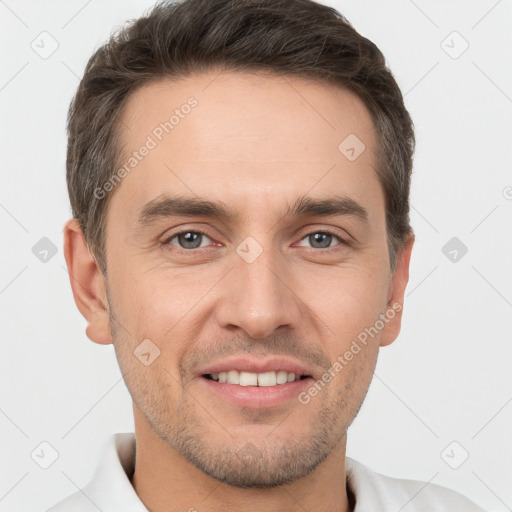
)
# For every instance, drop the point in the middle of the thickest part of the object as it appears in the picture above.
(257, 397)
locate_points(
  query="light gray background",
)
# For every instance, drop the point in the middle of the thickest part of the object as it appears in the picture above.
(446, 378)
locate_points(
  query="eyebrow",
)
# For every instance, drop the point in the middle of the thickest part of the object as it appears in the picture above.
(304, 206)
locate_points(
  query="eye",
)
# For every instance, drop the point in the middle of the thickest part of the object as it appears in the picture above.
(322, 239)
(188, 239)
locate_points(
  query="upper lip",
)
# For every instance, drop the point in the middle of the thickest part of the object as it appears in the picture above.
(256, 365)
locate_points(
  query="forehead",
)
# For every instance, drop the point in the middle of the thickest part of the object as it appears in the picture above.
(249, 139)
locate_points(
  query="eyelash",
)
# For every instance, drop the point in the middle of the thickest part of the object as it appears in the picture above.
(323, 231)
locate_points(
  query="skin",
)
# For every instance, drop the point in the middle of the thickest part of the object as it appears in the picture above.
(256, 142)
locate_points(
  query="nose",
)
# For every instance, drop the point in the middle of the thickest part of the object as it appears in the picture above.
(258, 297)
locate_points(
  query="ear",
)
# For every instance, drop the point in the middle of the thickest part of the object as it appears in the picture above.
(87, 283)
(398, 283)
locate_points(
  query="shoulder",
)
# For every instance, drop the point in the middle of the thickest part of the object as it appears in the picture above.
(77, 502)
(372, 489)
(110, 487)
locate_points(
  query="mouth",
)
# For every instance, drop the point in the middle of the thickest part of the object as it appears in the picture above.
(251, 390)
(256, 382)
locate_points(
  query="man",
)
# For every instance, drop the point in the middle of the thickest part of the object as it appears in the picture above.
(239, 175)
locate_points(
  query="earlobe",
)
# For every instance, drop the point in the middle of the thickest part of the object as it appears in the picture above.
(395, 303)
(87, 284)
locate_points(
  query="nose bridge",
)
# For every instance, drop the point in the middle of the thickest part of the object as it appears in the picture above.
(258, 300)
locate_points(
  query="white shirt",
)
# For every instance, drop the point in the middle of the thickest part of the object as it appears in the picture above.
(110, 489)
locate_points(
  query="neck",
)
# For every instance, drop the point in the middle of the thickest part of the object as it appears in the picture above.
(166, 482)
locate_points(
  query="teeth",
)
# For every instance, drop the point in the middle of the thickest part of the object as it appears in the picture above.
(246, 378)
(282, 377)
(267, 379)
(234, 377)
(254, 379)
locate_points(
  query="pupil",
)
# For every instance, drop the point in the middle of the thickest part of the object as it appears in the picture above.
(190, 240)
(323, 238)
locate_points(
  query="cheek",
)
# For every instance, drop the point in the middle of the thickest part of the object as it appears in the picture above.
(163, 308)
(347, 300)
(151, 344)
(153, 300)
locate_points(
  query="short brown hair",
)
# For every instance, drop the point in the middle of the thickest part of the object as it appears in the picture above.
(289, 37)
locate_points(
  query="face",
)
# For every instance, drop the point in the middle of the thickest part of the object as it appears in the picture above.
(273, 280)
